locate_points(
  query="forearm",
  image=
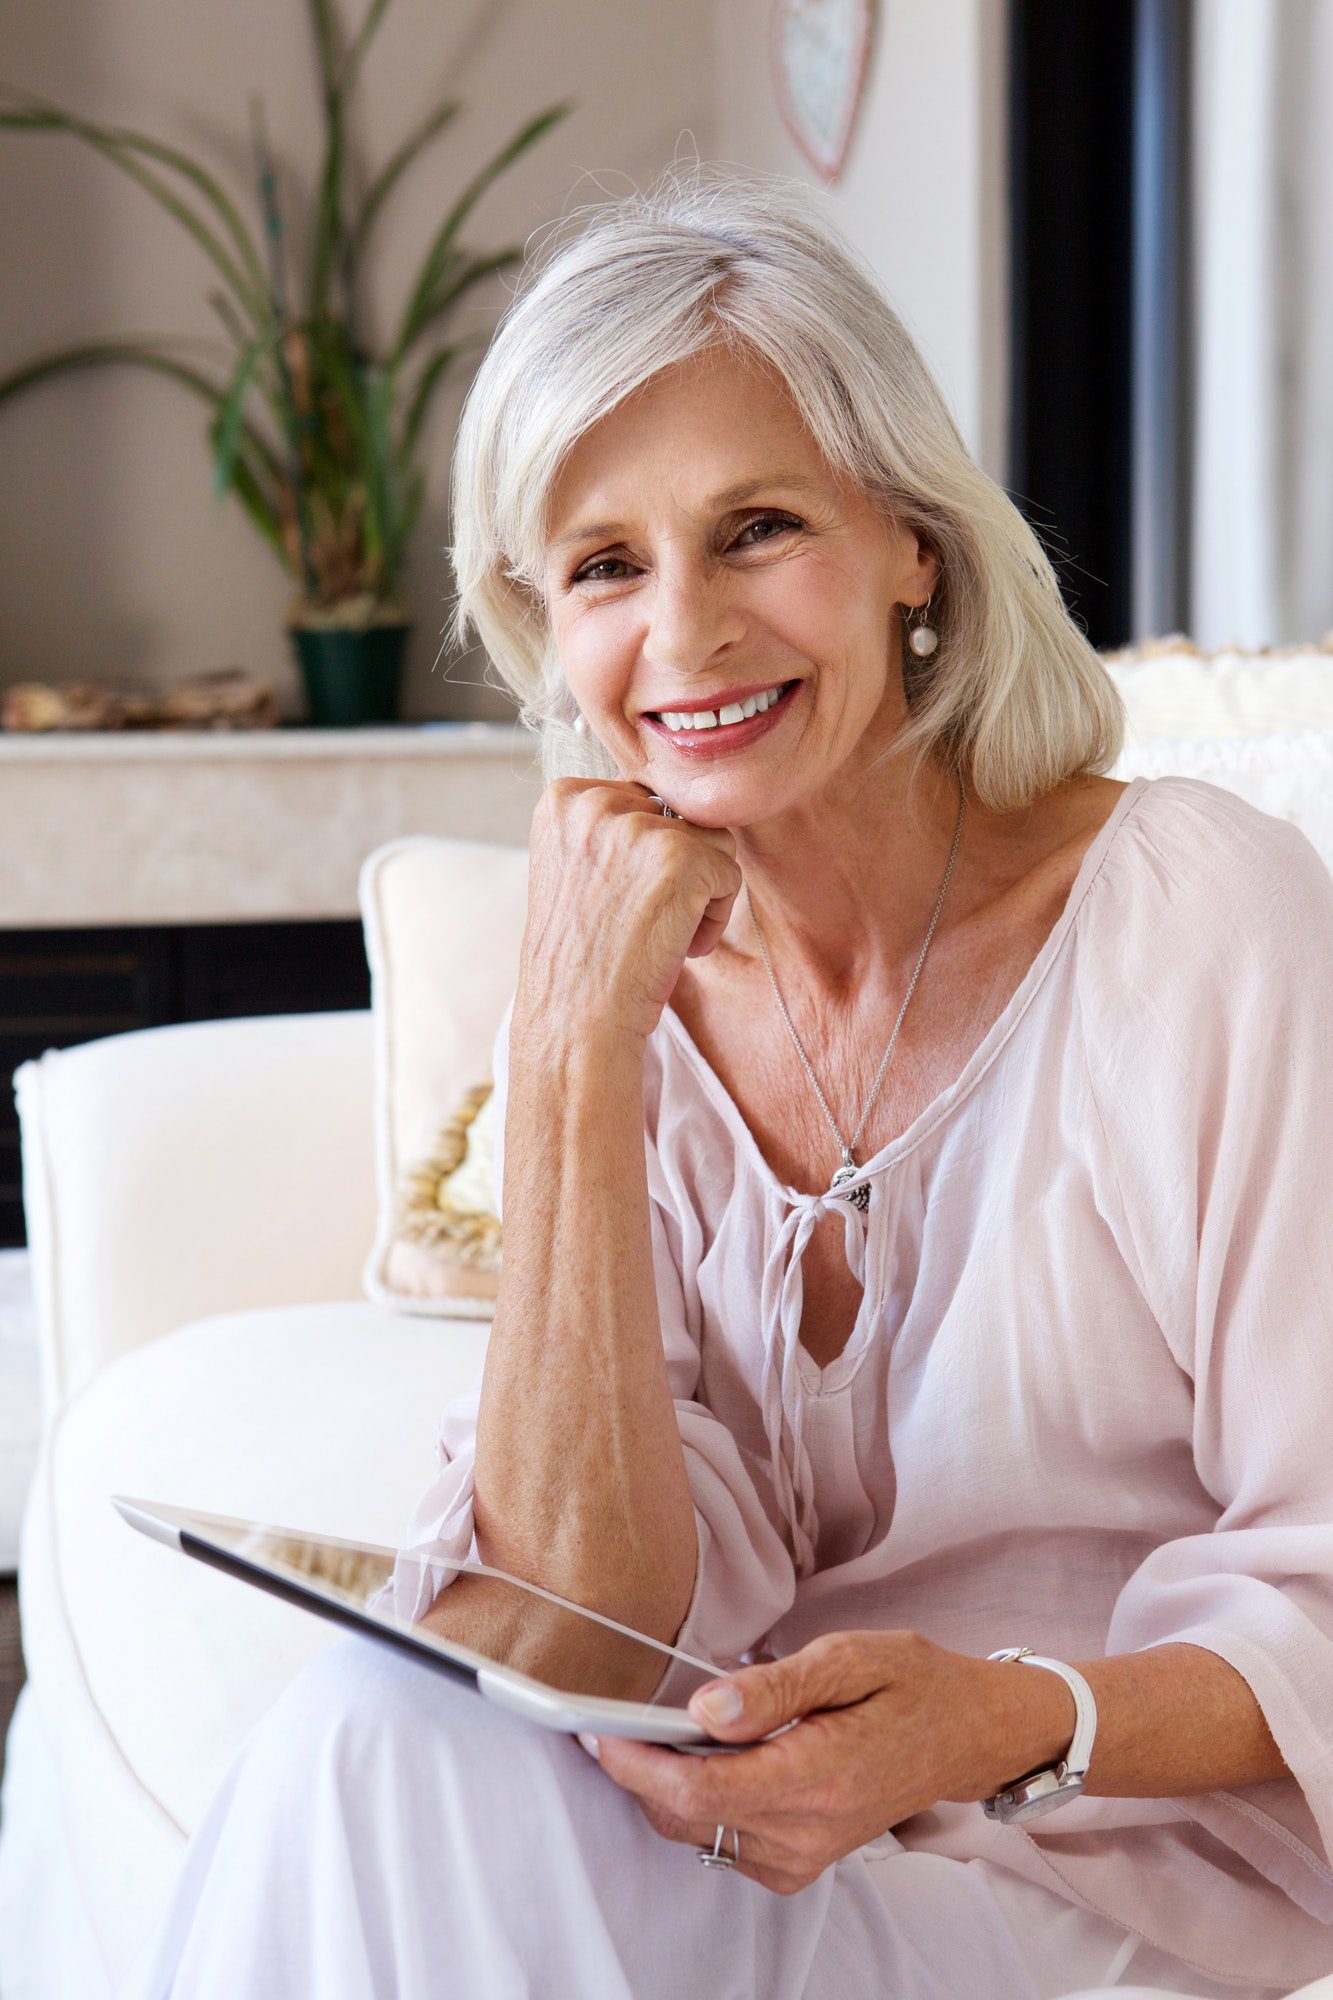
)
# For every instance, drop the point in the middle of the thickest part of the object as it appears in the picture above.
(580, 1473)
(1172, 1721)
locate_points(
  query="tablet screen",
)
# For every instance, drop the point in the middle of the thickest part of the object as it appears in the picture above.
(493, 1616)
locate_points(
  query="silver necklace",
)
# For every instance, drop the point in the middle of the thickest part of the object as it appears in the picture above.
(859, 1197)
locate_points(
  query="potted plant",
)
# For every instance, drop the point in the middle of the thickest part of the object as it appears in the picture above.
(315, 434)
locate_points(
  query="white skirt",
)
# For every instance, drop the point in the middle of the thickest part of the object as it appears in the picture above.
(384, 1832)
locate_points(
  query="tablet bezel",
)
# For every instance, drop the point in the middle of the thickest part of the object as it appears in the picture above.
(553, 1708)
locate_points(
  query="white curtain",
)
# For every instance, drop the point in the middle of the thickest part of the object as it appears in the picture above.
(1261, 568)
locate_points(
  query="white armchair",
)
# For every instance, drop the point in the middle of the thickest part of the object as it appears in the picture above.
(190, 1192)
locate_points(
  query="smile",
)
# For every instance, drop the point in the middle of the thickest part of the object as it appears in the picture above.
(734, 726)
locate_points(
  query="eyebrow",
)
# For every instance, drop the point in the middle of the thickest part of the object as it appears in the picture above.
(730, 496)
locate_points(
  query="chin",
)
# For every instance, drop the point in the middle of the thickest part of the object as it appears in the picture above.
(733, 807)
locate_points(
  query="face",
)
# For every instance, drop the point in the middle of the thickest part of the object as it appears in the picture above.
(701, 553)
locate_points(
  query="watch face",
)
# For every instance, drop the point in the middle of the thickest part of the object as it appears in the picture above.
(1039, 1795)
(1034, 1808)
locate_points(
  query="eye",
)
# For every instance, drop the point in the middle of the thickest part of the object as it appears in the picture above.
(774, 524)
(589, 571)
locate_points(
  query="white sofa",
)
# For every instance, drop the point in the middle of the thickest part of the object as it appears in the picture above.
(201, 1201)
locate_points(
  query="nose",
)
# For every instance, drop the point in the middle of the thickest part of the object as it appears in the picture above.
(693, 618)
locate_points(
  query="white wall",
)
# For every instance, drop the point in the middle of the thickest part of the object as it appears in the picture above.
(923, 194)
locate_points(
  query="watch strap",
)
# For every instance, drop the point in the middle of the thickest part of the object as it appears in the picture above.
(1042, 1790)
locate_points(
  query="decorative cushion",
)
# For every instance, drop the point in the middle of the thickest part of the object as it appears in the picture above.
(444, 925)
(1175, 690)
(447, 1240)
(1257, 723)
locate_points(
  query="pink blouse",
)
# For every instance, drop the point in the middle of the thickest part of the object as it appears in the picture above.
(1087, 1404)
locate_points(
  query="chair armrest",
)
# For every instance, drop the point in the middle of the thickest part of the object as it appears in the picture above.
(179, 1172)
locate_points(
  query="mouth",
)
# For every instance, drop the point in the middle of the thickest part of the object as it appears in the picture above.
(715, 736)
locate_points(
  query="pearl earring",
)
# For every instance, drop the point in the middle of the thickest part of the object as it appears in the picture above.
(923, 638)
(581, 724)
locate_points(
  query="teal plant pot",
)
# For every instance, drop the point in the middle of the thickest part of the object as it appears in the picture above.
(351, 678)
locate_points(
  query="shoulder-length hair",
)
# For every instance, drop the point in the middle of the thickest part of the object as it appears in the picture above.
(1014, 697)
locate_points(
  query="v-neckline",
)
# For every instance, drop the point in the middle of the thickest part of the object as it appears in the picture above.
(982, 1056)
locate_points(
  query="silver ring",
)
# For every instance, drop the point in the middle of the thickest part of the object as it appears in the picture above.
(668, 812)
(713, 1857)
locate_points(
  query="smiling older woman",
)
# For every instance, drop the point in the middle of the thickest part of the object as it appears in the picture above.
(914, 1169)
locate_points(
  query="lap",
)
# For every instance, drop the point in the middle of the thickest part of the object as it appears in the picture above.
(383, 1822)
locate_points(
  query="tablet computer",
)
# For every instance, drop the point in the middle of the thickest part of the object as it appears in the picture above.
(518, 1645)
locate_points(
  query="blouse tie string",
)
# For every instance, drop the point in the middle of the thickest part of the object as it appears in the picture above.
(781, 1302)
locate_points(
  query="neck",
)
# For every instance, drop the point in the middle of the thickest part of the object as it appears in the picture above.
(844, 888)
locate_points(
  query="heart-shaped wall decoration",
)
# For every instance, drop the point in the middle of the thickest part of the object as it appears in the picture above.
(820, 50)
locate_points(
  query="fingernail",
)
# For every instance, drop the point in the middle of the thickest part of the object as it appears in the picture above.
(590, 1745)
(723, 1703)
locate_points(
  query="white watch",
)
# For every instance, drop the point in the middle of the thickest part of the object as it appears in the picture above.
(1042, 1791)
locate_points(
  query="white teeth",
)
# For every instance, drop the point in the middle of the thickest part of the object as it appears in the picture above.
(735, 711)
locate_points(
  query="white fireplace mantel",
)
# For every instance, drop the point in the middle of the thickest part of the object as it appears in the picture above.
(210, 826)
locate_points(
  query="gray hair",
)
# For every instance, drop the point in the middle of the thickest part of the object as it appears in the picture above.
(1015, 697)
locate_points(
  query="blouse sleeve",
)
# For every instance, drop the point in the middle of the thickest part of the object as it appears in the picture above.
(1215, 1088)
(744, 1577)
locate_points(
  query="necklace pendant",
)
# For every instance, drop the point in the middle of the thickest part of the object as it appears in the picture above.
(858, 1197)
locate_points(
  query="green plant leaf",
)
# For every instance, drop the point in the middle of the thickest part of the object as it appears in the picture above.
(48, 116)
(414, 494)
(423, 392)
(338, 78)
(328, 216)
(391, 173)
(229, 316)
(378, 386)
(251, 445)
(233, 407)
(210, 188)
(269, 380)
(433, 264)
(137, 353)
(459, 281)
(247, 490)
(344, 382)
(258, 506)
(122, 149)
(328, 203)
(361, 42)
(326, 45)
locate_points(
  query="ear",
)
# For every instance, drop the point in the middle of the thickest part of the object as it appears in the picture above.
(928, 567)
(918, 566)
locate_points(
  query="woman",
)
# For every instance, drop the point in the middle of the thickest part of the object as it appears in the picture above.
(914, 1152)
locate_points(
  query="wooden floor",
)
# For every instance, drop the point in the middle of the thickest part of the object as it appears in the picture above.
(11, 1656)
